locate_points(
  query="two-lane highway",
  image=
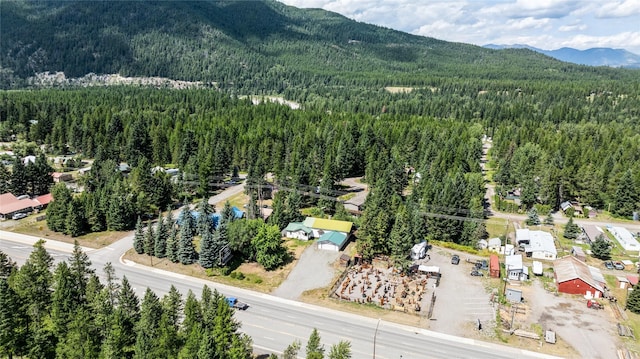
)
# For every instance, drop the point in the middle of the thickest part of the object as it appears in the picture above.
(274, 323)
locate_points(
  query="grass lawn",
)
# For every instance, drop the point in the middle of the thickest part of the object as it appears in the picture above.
(252, 276)
(35, 228)
(497, 227)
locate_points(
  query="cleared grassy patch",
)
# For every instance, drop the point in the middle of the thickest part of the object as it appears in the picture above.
(497, 227)
(35, 228)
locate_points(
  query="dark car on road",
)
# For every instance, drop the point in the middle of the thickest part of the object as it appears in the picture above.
(608, 264)
(476, 273)
(618, 265)
(455, 259)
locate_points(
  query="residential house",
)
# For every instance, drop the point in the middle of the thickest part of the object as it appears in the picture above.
(297, 230)
(536, 244)
(625, 238)
(515, 268)
(494, 244)
(320, 226)
(592, 232)
(61, 177)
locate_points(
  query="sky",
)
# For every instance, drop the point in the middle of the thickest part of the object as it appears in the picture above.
(545, 24)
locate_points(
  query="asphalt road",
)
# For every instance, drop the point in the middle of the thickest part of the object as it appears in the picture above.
(274, 323)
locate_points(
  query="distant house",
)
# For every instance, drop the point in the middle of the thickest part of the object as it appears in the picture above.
(29, 159)
(61, 177)
(575, 277)
(482, 244)
(333, 241)
(565, 206)
(536, 244)
(320, 226)
(625, 238)
(592, 232)
(297, 230)
(84, 171)
(44, 200)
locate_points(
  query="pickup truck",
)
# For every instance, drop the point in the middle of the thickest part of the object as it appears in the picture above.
(235, 303)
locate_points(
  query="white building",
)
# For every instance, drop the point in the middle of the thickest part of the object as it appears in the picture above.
(625, 238)
(494, 244)
(419, 250)
(514, 267)
(537, 244)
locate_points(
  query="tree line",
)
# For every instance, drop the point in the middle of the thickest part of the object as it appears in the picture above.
(65, 311)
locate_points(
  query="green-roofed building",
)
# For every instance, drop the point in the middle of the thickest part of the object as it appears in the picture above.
(321, 226)
(333, 241)
(298, 230)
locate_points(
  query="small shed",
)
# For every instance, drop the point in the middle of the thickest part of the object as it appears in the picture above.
(622, 282)
(345, 260)
(550, 336)
(494, 244)
(494, 266)
(513, 295)
(578, 253)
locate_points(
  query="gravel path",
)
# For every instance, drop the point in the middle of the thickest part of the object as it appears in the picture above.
(313, 270)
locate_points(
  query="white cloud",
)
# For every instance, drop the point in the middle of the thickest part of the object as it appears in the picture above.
(573, 27)
(547, 24)
(616, 9)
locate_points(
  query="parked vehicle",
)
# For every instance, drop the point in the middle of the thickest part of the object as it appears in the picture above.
(455, 259)
(19, 216)
(235, 303)
(618, 265)
(608, 264)
(482, 264)
(476, 273)
(594, 304)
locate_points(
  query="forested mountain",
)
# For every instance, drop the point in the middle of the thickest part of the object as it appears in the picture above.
(246, 46)
(599, 56)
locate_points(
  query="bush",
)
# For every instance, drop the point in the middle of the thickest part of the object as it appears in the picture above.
(257, 281)
(237, 275)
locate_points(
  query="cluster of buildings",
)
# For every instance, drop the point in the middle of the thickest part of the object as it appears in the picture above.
(331, 234)
(10, 205)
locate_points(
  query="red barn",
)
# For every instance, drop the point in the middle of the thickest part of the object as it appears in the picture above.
(574, 277)
(494, 266)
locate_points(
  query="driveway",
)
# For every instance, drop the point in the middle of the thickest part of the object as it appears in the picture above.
(313, 270)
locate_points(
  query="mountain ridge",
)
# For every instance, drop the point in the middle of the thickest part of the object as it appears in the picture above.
(244, 47)
(596, 56)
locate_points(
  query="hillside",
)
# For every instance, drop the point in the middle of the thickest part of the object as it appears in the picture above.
(245, 46)
(599, 56)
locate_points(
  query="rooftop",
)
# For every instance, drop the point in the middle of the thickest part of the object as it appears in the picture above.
(328, 224)
(569, 268)
(336, 238)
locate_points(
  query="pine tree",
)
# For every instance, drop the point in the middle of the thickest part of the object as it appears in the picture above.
(172, 246)
(314, 349)
(186, 250)
(549, 219)
(187, 222)
(601, 248)
(532, 217)
(191, 331)
(625, 200)
(227, 214)
(81, 271)
(63, 304)
(204, 223)
(138, 237)
(148, 327)
(208, 251)
(12, 321)
(571, 230)
(161, 235)
(149, 240)
(342, 350)
(58, 208)
(19, 180)
(7, 266)
(291, 352)
(82, 338)
(75, 221)
(401, 239)
(633, 301)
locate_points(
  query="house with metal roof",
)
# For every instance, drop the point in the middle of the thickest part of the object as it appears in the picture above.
(575, 277)
(298, 230)
(625, 238)
(592, 232)
(320, 226)
(515, 268)
(537, 244)
(333, 241)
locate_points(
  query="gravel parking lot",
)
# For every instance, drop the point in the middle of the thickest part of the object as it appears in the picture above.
(461, 300)
(313, 270)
